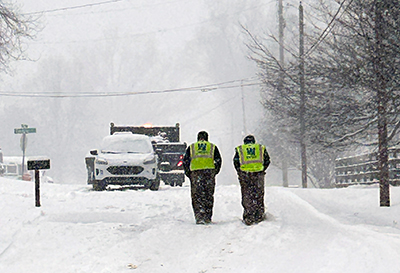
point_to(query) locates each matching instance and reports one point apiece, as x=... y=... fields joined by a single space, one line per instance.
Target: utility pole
x=382 y=100
x=243 y=111
x=280 y=83
x=302 y=100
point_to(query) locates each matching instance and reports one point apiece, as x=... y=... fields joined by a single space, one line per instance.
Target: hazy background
x=133 y=46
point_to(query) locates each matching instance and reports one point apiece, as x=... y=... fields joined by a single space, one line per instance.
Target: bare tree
x=14 y=28
x=282 y=102
x=352 y=67
x=362 y=55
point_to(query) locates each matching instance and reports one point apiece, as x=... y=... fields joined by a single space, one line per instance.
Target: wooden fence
x=363 y=169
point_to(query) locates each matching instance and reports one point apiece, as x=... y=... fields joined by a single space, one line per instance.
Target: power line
x=327 y=30
x=124 y=9
x=208 y=111
x=324 y=33
x=73 y=7
x=202 y=88
x=163 y=30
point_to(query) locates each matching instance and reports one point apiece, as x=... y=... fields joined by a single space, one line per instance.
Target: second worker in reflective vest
x=202 y=162
x=251 y=160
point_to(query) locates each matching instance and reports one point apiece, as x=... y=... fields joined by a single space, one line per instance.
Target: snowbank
x=309 y=230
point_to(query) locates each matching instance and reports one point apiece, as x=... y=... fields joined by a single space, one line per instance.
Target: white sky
x=131 y=46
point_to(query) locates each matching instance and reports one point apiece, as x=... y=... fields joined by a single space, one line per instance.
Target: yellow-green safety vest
x=251 y=157
x=202 y=155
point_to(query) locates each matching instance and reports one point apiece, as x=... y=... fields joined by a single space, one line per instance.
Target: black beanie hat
x=202 y=135
x=249 y=139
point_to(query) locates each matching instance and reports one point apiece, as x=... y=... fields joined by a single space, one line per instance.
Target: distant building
x=13 y=166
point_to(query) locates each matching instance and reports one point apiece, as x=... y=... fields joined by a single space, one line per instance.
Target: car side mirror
x=94 y=152
x=159 y=151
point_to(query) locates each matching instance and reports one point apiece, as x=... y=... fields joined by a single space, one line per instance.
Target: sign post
x=24 y=141
x=38 y=164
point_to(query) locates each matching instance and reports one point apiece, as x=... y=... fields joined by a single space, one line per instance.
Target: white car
x=123 y=159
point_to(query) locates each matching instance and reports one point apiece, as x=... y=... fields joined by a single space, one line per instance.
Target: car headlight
x=150 y=160
x=101 y=161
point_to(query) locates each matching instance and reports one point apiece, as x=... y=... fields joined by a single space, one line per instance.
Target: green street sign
x=24 y=130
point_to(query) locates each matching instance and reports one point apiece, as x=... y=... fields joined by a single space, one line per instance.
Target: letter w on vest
x=251 y=152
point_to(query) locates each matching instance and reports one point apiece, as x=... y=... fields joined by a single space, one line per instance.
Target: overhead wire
x=201 y=88
x=114 y=10
x=204 y=88
x=327 y=30
x=313 y=46
x=208 y=111
x=163 y=30
x=73 y=7
x=115 y=1
x=56 y=94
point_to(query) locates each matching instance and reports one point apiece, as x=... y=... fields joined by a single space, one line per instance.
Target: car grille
x=124 y=170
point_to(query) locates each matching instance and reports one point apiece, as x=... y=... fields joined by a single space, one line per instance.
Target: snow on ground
x=309 y=230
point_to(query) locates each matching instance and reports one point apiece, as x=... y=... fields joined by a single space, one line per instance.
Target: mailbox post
x=36 y=165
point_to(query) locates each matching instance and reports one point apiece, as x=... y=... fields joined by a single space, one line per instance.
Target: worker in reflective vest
x=202 y=162
x=251 y=160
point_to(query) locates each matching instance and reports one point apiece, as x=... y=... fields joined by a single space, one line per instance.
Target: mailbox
x=39 y=164
x=36 y=165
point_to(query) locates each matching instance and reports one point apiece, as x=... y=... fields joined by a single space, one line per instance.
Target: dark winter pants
x=252 y=187
x=202 y=185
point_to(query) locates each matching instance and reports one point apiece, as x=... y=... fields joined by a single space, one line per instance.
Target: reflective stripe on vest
x=202 y=155
x=251 y=157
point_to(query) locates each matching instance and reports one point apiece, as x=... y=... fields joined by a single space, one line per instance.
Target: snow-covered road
x=79 y=230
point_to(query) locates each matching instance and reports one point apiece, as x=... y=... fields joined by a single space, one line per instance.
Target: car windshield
x=126 y=145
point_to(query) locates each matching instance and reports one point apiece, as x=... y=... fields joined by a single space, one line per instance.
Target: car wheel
x=172 y=181
x=179 y=180
x=99 y=185
x=155 y=184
